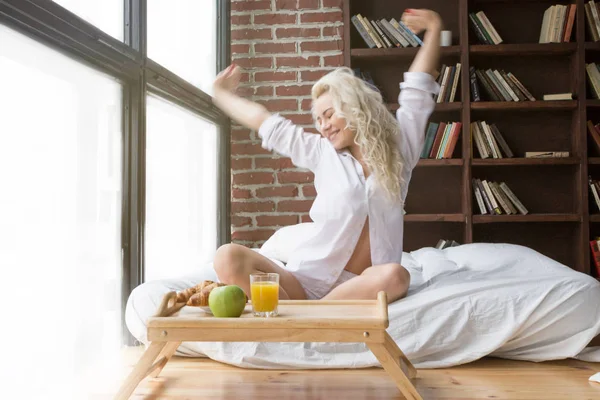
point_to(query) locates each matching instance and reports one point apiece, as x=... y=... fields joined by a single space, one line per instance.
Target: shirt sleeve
x=416 y=105
x=281 y=135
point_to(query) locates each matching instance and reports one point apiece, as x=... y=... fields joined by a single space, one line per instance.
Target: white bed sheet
x=463 y=303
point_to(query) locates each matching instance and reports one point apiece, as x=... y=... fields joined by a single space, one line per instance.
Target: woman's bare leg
x=234 y=263
x=391 y=278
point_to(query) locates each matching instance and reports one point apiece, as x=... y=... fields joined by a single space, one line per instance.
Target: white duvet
x=463 y=303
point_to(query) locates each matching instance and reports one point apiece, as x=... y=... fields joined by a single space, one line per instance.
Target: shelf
x=592 y=103
x=594 y=160
x=454 y=106
x=397 y=52
x=594 y=217
x=446 y=162
x=523 y=49
x=486 y=219
x=434 y=218
x=525 y=105
x=592 y=46
x=526 y=161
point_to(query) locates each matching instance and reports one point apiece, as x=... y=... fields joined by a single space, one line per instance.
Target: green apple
x=227 y=301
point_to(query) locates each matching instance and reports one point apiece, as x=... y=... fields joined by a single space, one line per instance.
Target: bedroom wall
x=284 y=46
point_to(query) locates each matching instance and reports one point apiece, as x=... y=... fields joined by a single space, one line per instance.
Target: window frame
x=127 y=61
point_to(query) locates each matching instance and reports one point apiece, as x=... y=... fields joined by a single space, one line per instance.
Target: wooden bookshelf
x=440 y=202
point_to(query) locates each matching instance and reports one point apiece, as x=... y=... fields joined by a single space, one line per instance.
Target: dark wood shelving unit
x=440 y=202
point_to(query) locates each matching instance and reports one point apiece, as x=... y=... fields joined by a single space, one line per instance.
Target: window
x=181 y=190
x=182 y=37
x=105 y=14
x=60 y=215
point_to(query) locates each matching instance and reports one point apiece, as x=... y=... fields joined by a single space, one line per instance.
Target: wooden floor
x=198 y=378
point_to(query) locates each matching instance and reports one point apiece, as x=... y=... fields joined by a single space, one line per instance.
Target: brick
x=333 y=61
x=301 y=206
x=274 y=76
x=332 y=3
x=238 y=164
x=305 y=218
x=241 y=221
x=240 y=193
x=239 y=134
x=297 y=62
x=247 y=91
x=245 y=77
x=293 y=90
x=240 y=49
x=252 y=206
x=278 y=191
x=280 y=104
x=273 y=163
x=276 y=220
x=325 y=45
x=240 y=20
x=241 y=6
x=253 y=178
x=275 y=48
x=309 y=191
x=247 y=149
x=254 y=62
x=253 y=235
x=306 y=105
x=274 y=19
x=295 y=177
x=308 y=4
x=333 y=31
x=321 y=17
x=313 y=75
x=251 y=34
x=285 y=33
x=286 y=5
x=300 y=119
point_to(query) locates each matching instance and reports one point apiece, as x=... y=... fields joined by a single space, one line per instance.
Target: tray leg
x=165 y=354
x=140 y=371
x=405 y=363
x=392 y=366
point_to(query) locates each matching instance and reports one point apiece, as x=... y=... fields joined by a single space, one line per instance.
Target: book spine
x=485 y=197
x=521 y=87
x=490 y=74
x=431 y=130
x=449 y=84
x=370 y=30
x=495 y=204
x=499 y=198
x=480 y=203
x=363 y=32
x=595 y=255
x=570 y=23
x=512 y=85
x=477 y=139
x=399 y=38
x=591 y=25
x=501 y=141
x=475 y=92
x=514 y=199
x=477 y=30
x=493 y=93
x=455 y=82
x=509 y=204
x=489 y=27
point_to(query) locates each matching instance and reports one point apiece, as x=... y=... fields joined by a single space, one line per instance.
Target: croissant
x=183 y=297
x=200 y=298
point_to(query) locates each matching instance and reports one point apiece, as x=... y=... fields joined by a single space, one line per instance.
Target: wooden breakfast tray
x=298 y=321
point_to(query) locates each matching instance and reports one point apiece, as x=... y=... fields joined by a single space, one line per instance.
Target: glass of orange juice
x=264 y=293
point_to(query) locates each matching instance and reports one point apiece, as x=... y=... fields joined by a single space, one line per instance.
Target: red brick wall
x=284 y=46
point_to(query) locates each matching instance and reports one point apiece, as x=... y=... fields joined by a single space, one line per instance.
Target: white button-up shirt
x=344 y=197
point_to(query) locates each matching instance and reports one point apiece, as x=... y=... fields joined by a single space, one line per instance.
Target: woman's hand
x=228 y=79
x=419 y=20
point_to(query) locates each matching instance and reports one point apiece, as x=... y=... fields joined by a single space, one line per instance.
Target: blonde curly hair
x=374 y=125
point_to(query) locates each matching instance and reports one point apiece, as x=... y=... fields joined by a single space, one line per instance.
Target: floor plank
x=489 y=378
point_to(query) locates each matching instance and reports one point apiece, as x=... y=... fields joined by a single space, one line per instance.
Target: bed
x=463 y=303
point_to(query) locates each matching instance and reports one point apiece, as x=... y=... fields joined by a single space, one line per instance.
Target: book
x=475 y=92
x=595 y=248
x=558 y=96
x=362 y=31
x=513 y=198
x=546 y=154
x=496 y=39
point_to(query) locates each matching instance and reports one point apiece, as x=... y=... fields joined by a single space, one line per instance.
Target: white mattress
x=463 y=303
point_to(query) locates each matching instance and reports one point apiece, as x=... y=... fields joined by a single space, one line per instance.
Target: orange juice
x=265 y=296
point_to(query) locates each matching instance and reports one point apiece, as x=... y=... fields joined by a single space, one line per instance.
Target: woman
x=362 y=161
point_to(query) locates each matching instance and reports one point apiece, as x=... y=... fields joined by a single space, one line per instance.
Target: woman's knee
x=395 y=279
x=229 y=261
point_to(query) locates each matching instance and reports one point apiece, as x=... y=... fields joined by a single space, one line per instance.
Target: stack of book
x=483 y=28
x=498 y=86
x=496 y=199
x=594 y=131
x=385 y=33
x=593 y=75
x=592 y=17
x=448 y=81
x=445 y=243
x=595 y=190
x=557 y=24
x=441 y=139
x=489 y=141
